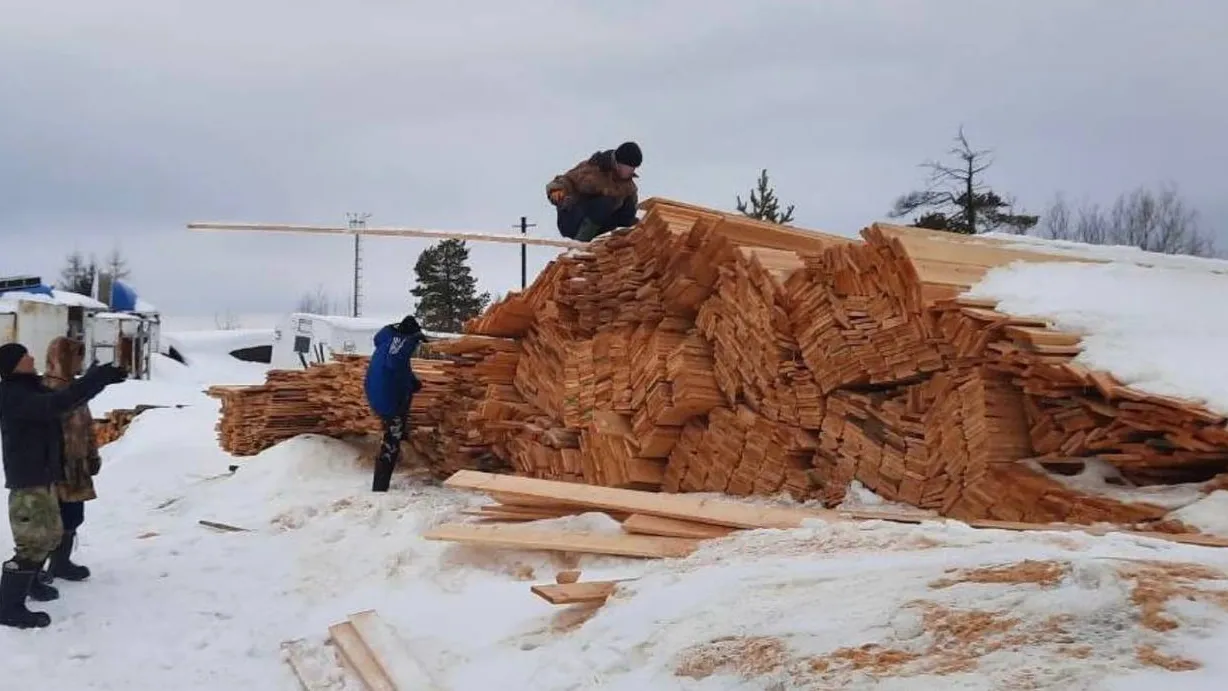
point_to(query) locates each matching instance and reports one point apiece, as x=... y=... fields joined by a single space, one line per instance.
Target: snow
x=58 y=297
x=178 y=605
x=1159 y=330
x=1209 y=514
x=1112 y=253
x=1101 y=478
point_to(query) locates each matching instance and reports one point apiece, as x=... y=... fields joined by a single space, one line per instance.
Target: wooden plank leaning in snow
x=359 y=657
x=391 y=653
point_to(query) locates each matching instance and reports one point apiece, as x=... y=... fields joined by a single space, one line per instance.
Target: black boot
x=14 y=585
x=383 y=476
x=40 y=588
x=61 y=563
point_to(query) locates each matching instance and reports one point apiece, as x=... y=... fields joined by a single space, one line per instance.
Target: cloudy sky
x=121 y=121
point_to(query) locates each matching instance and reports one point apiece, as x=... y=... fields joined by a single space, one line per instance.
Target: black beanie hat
x=629 y=154
x=10 y=355
x=409 y=326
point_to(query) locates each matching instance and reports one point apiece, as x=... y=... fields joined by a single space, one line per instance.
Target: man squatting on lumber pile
x=32 y=440
x=390 y=385
x=598 y=194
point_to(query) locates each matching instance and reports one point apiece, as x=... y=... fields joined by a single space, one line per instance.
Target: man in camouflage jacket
x=598 y=194
x=32 y=441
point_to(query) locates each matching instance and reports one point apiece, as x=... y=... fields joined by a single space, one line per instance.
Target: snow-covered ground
x=177 y=605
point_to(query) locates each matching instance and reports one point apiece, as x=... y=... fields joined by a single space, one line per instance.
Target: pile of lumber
x=705 y=351
x=323 y=399
x=112 y=426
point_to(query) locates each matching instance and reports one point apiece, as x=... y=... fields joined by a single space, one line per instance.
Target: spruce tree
x=764 y=204
x=446 y=289
x=78 y=273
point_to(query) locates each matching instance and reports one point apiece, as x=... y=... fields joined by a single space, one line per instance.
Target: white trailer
x=33 y=321
x=301 y=339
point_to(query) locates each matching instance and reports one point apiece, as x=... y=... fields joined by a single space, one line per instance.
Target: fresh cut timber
x=704 y=351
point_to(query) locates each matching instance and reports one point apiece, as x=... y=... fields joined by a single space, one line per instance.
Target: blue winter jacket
x=390 y=382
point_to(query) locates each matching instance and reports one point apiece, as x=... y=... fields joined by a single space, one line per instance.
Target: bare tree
x=226 y=321
x=116 y=265
x=317 y=302
x=1152 y=220
x=957 y=200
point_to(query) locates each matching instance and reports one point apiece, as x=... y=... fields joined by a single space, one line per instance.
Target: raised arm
x=30 y=405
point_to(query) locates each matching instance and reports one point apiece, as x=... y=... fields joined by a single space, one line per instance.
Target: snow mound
x=1146 y=326
x=766 y=610
x=1209 y=514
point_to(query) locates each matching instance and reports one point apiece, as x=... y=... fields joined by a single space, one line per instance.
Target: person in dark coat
x=598 y=194
x=32 y=439
x=390 y=386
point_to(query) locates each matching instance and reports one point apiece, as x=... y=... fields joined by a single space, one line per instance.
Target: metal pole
x=358 y=224
x=524 y=251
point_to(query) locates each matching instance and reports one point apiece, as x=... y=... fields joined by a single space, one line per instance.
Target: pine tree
x=78 y=274
x=763 y=203
x=446 y=289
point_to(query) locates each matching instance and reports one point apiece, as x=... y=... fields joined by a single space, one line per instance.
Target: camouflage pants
x=34 y=514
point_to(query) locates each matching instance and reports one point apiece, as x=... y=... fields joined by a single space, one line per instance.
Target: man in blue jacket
x=390 y=386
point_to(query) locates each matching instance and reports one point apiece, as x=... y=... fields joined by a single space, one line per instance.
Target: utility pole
x=524 y=226
x=357 y=222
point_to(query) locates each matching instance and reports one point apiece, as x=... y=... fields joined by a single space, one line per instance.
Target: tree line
x=957 y=199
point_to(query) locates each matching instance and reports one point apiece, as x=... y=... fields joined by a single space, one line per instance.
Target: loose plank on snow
x=714 y=511
x=522 y=537
x=391 y=653
x=575 y=593
x=359 y=657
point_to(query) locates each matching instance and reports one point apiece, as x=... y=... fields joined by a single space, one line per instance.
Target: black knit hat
x=10 y=355
x=629 y=154
x=409 y=326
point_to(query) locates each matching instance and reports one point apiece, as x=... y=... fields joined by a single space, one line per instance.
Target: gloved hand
x=112 y=373
x=557 y=196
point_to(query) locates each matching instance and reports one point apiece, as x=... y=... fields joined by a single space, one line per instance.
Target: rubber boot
x=61 y=562
x=14 y=586
x=383 y=475
x=41 y=589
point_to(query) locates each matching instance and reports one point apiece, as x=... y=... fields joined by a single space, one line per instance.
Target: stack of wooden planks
x=705 y=351
x=323 y=399
x=112 y=426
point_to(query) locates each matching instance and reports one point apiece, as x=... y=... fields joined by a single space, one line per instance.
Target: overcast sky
x=121 y=121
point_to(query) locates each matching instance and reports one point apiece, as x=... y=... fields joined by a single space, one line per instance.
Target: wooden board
x=528 y=538
x=359 y=657
x=642 y=524
x=575 y=593
x=391 y=653
x=715 y=511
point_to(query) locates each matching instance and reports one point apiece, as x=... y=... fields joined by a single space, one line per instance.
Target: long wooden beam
x=390 y=232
